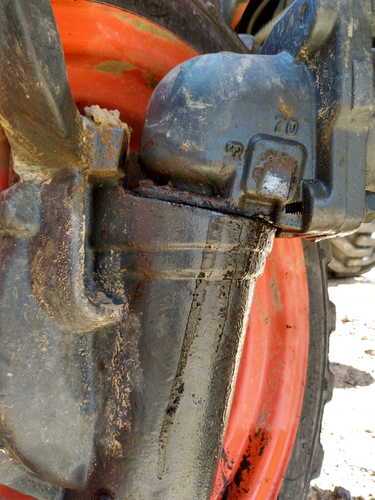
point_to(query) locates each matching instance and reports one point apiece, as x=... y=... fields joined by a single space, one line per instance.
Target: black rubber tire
x=353 y=255
x=197 y=22
x=307 y=455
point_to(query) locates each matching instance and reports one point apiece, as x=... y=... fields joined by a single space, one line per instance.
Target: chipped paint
x=115 y=67
x=152 y=80
x=146 y=26
x=275 y=293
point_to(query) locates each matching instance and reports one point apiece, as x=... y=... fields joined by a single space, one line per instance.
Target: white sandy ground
x=348 y=435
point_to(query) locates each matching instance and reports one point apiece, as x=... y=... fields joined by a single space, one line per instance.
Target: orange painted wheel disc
x=270 y=384
x=115 y=59
x=239 y=13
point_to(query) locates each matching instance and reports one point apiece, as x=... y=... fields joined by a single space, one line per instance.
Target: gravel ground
x=348 y=435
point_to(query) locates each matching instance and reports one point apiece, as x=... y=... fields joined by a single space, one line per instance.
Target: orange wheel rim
x=270 y=385
x=115 y=58
x=239 y=13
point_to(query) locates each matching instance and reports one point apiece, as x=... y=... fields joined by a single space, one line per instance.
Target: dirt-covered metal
x=285 y=135
x=122 y=318
x=123 y=313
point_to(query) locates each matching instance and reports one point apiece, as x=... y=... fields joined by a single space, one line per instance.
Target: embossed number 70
x=290 y=128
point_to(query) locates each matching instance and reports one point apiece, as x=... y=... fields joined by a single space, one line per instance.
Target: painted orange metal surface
x=115 y=59
x=240 y=12
x=270 y=385
x=8 y=494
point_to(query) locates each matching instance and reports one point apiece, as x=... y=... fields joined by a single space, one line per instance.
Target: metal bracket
x=284 y=135
x=101 y=329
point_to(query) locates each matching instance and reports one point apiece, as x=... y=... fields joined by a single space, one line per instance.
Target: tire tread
x=307 y=455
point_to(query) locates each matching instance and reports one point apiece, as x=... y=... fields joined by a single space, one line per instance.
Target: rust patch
x=147 y=146
x=277 y=177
